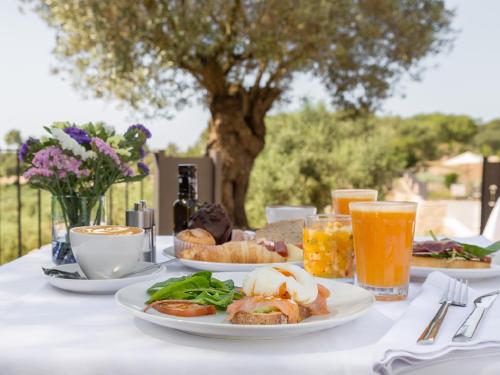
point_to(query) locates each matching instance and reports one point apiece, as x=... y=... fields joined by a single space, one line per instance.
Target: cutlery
x=456 y=295
x=54 y=272
x=150 y=267
x=469 y=326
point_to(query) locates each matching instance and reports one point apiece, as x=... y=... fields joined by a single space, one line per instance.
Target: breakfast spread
x=269 y=295
x=210 y=238
x=452 y=254
x=278 y=296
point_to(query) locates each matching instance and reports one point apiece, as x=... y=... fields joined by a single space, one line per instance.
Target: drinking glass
x=383 y=242
x=341 y=198
x=328 y=249
x=280 y=213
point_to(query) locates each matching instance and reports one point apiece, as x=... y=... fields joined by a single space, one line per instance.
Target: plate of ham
x=272 y=303
x=467 y=257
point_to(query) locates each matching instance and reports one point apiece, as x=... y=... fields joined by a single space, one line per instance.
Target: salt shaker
x=144 y=217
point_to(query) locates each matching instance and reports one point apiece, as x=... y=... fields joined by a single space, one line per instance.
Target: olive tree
x=240 y=57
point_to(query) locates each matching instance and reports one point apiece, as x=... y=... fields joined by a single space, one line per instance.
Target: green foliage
x=430 y=136
x=487 y=139
x=450 y=179
x=155 y=53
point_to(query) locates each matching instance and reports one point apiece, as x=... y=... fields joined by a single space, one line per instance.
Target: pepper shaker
x=144 y=217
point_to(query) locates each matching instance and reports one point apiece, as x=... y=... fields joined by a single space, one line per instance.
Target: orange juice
x=383 y=242
x=328 y=249
x=342 y=198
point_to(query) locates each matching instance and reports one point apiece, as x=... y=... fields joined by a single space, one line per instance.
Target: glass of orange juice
x=383 y=243
x=341 y=198
x=328 y=249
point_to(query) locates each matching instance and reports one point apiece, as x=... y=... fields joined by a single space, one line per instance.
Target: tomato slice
x=182 y=308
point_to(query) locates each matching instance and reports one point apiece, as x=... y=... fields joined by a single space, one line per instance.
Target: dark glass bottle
x=187 y=199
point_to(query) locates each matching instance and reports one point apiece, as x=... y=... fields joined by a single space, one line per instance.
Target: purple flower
x=77 y=134
x=52 y=161
x=23 y=151
x=105 y=149
x=141 y=128
x=142 y=152
x=127 y=171
x=37 y=172
x=143 y=168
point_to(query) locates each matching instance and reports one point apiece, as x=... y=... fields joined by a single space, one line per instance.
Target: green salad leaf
x=469 y=251
x=479 y=251
x=200 y=287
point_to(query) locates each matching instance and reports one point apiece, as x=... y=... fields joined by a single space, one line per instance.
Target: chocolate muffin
x=214 y=219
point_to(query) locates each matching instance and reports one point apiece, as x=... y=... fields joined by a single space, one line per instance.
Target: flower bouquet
x=78 y=164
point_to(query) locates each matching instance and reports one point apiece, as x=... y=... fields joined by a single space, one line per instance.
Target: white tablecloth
x=44 y=330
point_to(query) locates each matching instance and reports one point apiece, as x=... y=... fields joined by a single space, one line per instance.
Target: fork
x=455 y=294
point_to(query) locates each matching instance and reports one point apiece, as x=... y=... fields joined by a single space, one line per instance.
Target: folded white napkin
x=398 y=349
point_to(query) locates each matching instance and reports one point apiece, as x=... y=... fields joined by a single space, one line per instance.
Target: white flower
x=68 y=143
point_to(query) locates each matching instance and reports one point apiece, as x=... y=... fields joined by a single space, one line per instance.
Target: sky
x=463 y=81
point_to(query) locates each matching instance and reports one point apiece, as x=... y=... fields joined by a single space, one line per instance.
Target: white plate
x=465 y=273
x=220 y=267
x=346 y=303
x=99 y=286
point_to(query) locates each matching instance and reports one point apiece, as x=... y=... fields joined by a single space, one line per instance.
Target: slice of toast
x=268 y=318
x=288 y=231
x=420 y=261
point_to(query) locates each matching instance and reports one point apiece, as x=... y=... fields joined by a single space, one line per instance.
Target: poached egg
x=273 y=281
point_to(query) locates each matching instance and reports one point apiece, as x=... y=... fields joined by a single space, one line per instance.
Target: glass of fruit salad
x=328 y=247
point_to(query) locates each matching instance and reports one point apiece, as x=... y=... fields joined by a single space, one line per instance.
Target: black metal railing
x=20 y=203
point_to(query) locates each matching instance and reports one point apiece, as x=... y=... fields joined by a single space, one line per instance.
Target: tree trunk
x=237 y=133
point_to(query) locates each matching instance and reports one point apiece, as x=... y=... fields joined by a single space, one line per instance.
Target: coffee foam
x=109 y=230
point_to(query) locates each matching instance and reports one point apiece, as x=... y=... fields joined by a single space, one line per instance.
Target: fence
x=25 y=219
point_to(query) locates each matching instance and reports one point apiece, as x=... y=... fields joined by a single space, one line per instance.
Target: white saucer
x=99 y=286
x=221 y=267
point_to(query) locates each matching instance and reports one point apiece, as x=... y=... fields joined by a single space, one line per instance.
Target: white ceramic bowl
x=106 y=256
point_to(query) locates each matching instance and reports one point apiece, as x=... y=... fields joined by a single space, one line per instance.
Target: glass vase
x=69 y=211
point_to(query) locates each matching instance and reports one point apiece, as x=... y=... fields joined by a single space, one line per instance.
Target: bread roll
x=196 y=236
x=233 y=252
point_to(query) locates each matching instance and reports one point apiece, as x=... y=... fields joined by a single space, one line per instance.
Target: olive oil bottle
x=187 y=199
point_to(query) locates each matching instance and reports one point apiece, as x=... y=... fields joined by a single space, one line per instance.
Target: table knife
x=469 y=326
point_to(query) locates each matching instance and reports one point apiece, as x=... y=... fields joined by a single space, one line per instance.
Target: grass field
x=117 y=196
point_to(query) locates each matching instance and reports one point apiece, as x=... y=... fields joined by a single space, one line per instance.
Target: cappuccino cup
x=107 y=251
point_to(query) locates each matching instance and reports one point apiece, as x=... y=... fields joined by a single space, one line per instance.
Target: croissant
x=233 y=252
